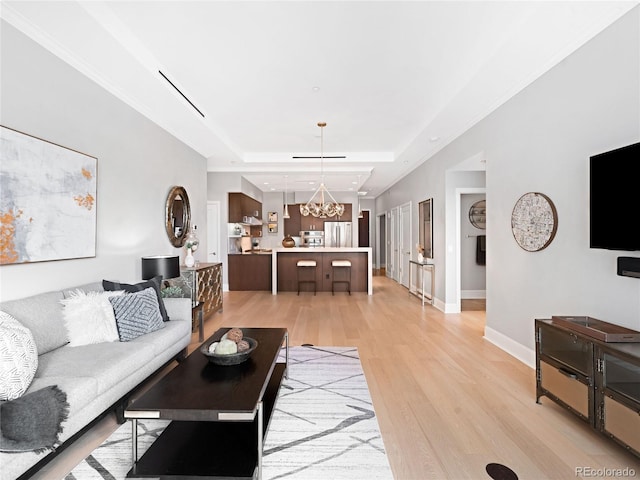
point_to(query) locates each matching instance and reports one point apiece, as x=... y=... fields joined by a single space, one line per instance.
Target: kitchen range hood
x=250 y=221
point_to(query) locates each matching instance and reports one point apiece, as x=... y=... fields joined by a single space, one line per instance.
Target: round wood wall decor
x=534 y=221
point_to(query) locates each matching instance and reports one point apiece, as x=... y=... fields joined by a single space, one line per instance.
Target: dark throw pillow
x=136 y=314
x=155 y=283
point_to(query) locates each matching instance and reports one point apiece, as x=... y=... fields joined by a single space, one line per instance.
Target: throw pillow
x=33 y=421
x=136 y=314
x=155 y=283
x=18 y=358
x=89 y=317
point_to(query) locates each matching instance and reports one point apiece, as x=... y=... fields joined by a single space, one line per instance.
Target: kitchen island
x=284 y=270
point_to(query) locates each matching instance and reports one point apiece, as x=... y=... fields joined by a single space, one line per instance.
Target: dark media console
x=629 y=267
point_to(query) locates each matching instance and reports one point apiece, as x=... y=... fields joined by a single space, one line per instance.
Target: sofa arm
x=178 y=308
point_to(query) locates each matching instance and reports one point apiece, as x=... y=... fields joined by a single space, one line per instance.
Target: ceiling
x=394 y=81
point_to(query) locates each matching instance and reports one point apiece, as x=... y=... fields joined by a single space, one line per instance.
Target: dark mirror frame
x=425 y=226
x=178 y=214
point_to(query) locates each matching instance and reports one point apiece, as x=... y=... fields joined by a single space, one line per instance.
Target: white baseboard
x=513 y=348
x=470 y=294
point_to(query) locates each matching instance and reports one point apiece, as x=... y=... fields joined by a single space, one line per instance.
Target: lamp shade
x=166 y=265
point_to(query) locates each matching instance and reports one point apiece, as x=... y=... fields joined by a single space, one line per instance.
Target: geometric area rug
x=323 y=426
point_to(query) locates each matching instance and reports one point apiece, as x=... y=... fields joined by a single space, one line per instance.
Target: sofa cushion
x=163 y=340
x=89 y=317
x=18 y=357
x=136 y=314
x=108 y=363
x=80 y=391
x=155 y=283
x=42 y=315
x=86 y=288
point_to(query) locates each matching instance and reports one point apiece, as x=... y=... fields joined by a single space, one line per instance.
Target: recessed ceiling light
x=354 y=183
x=316 y=89
x=434 y=139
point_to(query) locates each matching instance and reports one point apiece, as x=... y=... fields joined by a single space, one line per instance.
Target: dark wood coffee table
x=219 y=414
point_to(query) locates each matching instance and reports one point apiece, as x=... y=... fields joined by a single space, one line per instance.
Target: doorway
x=471 y=253
x=364 y=229
x=213 y=232
x=381 y=228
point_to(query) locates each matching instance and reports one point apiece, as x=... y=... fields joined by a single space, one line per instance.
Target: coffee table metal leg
x=286 y=355
x=134 y=440
x=260 y=440
x=201 y=321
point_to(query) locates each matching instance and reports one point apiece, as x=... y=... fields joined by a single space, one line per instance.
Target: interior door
x=404 y=246
x=393 y=257
x=213 y=232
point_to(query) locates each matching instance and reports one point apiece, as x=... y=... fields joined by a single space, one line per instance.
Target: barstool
x=306 y=264
x=341 y=264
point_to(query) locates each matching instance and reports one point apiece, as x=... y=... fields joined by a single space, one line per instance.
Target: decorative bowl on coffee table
x=231 y=358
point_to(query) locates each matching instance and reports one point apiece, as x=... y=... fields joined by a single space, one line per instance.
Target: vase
x=420 y=258
x=288 y=242
x=189 y=261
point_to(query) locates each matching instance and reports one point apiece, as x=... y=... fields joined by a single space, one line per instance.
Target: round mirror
x=477 y=214
x=178 y=216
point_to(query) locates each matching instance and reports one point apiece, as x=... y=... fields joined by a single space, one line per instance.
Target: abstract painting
x=47 y=200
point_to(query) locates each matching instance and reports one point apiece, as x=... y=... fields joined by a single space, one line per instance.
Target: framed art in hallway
x=47 y=200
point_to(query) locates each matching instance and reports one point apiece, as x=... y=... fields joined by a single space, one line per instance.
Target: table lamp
x=166 y=265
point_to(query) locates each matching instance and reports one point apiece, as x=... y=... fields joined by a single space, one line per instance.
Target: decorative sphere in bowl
x=229 y=358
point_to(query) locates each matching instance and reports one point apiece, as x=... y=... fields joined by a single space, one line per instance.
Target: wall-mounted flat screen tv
x=614 y=199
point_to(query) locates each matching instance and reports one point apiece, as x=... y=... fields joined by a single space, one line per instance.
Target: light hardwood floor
x=448 y=402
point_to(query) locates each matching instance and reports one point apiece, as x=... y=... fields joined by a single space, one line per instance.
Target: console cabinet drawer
x=570 y=390
x=622 y=422
x=567 y=348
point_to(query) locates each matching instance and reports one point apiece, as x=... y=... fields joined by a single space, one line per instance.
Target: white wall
x=138 y=163
x=541 y=140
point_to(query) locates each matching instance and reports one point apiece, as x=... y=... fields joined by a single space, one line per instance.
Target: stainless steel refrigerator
x=337 y=234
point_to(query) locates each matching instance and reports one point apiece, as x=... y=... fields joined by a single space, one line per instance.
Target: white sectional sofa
x=96 y=378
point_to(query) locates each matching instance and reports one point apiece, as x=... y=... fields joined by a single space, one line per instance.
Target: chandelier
x=316 y=205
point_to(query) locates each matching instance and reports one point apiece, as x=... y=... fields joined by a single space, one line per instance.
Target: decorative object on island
x=47 y=200
x=319 y=208
x=168 y=266
x=425 y=227
x=534 y=221
x=288 y=241
x=191 y=243
x=177 y=216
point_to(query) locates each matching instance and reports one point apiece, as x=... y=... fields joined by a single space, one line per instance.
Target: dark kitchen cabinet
x=249 y=272
x=297 y=223
x=241 y=205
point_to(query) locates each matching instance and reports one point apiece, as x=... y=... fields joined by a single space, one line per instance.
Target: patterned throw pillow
x=18 y=358
x=89 y=317
x=155 y=283
x=136 y=314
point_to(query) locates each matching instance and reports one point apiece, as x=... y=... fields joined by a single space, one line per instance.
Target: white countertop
x=322 y=249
